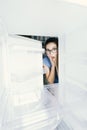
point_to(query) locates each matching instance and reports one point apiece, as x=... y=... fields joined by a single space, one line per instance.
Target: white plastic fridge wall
x=74 y=87
x=23 y=106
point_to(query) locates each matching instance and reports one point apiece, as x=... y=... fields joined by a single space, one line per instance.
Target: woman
x=50 y=61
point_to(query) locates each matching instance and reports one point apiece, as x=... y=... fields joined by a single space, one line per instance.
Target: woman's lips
x=53 y=58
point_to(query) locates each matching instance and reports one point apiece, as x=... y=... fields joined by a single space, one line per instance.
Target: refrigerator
x=25 y=103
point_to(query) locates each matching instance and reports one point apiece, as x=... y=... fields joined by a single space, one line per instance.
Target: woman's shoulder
x=46 y=61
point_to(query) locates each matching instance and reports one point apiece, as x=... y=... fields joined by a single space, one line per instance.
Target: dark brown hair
x=51 y=39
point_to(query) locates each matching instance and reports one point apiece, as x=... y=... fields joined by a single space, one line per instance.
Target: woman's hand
x=53 y=61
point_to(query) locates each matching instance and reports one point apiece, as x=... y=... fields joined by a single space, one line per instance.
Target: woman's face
x=52 y=50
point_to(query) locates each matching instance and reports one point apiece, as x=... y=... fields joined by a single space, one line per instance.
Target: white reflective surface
x=24 y=102
x=38 y=115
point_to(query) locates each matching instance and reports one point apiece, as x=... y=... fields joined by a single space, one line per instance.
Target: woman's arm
x=50 y=73
x=51 y=76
